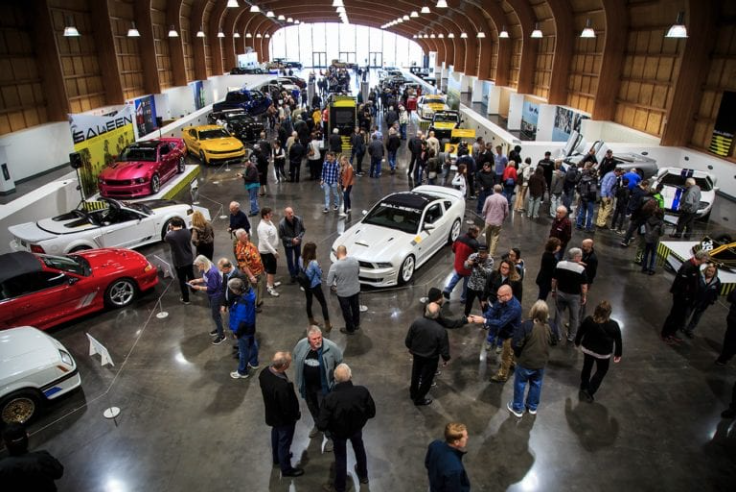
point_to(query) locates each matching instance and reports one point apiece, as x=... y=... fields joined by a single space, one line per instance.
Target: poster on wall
x=563 y=124
x=145 y=108
x=453 y=93
x=486 y=90
x=723 y=135
x=529 y=121
x=199 y=94
x=99 y=139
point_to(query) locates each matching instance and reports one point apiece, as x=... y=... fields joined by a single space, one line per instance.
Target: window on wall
x=343 y=41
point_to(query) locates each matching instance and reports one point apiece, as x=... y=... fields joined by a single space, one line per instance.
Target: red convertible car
x=142 y=168
x=46 y=290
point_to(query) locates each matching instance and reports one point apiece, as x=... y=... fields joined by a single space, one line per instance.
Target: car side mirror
x=72 y=280
x=364 y=212
x=429 y=226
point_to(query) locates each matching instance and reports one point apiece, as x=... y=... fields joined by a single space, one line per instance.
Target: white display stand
x=96 y=347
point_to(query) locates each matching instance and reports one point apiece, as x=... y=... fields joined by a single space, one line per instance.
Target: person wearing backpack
x=622 y=197
x=587 y=189
x=654 y=229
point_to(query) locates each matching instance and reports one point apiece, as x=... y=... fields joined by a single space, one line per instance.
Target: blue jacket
x=445 y=470
x=313 y=271
x=633 y=179
x=242 y=318
x=503 y=318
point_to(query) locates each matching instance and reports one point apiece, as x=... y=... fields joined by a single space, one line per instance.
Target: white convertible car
x=402 y=232
x=101 y=224
x=673 y=180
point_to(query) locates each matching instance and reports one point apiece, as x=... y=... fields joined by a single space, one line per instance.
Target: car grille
x=223 y=152
x=119 y=183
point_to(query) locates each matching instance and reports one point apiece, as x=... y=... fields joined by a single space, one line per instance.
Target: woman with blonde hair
x=346 y=181
x=203 y=236
x=210 y=282
x=596 y=336
x=531 y=343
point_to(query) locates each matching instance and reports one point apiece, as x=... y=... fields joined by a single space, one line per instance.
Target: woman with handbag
x=312 y=276
x=596 y=337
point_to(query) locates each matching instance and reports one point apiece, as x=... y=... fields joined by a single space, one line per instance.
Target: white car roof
x=25 y=348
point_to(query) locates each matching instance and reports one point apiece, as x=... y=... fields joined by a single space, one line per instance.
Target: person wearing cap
x=23 y=470
x=435 y=295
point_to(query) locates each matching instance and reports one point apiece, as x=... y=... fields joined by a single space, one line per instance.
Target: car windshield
x=237 y=97
x=435 y=101
x=445 y=117
x=138 y=154
x=216 y=133
x=672 y=180
x=393 y=216
x=70 y=263
x=239 y=118
x=137 y=207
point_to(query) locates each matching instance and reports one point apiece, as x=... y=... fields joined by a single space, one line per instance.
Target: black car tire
x=21 y=406
x=203 y=160
x=155 y=184
x=121 y=293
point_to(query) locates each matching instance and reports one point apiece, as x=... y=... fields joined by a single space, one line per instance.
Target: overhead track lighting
x=504 y=34
x=588 y=32
x=133 y=32
x=537 y=33
x=232 y=4
x=678 y=30
x=173 y=32
x=70 y=31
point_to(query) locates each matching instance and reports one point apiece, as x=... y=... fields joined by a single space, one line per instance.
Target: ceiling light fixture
x=290 y=19
x=267 y=35
x=337 y=3
x=425 y=10
x=433 y=36
x=537 y=33
x=678 y=30
x=258 y=35
x=451 y=36
x=504 y=34
x=133 y=32
x=232 y=4
x=463 y=35
x=236 y=35
x=440 y=36
x=281 y=17
x=248 y=35
x=221 y=34
x=405 y=17
x=480 y=34
x=414 y=14
x=270 y=14
x=69 y=30
x=173 y=32
x=254 y=9
x=441 y=4
x=588 y=32
x=200 y=33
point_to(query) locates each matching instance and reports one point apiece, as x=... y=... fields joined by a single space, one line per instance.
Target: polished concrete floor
x=185 y=425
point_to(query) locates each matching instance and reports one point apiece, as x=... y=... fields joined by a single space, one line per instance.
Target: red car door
x=167 y=162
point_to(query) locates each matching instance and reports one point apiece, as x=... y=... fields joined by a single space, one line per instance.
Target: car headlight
x=148 y=267
x=384 y=265
x=140 y=180
x=100 y=181
x=704 y=205
x=66 y=358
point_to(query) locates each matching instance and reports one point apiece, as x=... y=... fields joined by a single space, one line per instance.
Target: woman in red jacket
x=509 y=180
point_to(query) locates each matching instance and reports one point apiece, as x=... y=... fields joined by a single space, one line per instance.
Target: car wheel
x=20 y=407
x=181 y=165
x=155 y=184
x=79 y=248
x=407 y=270
x=202 y=158
x=165 y=229
x=455 y=231
x=120 y=293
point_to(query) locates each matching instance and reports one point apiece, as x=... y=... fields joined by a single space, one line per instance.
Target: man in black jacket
x=335 y=143
x=683 y=291
x=24 y=470
x=427 y=340
x=415 y=145
x=344 y=413
x=282 y=411
x=297 y=152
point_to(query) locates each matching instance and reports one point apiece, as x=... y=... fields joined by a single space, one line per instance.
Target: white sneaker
x=277 y=284
x=342 y=214
x=235 y=374
x=272 y=292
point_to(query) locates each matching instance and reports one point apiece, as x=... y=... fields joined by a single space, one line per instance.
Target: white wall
x=515 y=113
x=37 y=149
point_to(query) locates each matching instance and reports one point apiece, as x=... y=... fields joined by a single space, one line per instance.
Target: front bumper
x=234 y=157
x=125 y=191
x=65 y=384
x=148 y=280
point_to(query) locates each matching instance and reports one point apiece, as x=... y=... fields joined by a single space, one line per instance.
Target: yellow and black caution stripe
x=94 y=205
x=721 y=144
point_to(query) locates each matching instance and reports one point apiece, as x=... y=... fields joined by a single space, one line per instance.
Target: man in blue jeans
x=291 y=231
x=376 y=153
x=329 y=181
x=393 y=144
x=242 y=321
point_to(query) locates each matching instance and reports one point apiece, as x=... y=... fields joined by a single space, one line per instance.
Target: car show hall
x=157 y=185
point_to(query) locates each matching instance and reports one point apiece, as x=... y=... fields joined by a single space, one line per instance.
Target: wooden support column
x=216 y=53
x=702 y=18
x=142 y=14
x=107 y=56
x=176 y=51
x=557 y=92
x=613 y=54
x=198 y=44
x=44 y=37
x=504 y=56
x=528 y=56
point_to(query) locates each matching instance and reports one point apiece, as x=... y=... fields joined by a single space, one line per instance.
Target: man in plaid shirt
x=329 y=181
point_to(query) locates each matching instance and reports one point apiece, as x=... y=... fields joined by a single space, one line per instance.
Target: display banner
x=145 y=115
x=562 y=124
x=529 y=121
x=486 y=89
x=723 y=135
x=199 y=94
x=99 y=139
x=453 y=93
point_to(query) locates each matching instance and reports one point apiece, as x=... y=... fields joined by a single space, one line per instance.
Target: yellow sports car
x=429 y=104
x=212 y=143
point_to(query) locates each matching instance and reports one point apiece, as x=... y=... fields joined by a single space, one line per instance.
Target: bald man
x=501 y=319
x=281 y=409
x=344 y=413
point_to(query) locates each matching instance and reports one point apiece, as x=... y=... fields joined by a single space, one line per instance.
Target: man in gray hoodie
x=345 y=274
x=688 y=207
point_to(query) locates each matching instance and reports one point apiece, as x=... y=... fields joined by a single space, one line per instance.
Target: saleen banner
x=99 y=139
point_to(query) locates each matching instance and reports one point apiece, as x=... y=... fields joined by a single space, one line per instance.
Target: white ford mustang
x=673 y=180
x=402 y=232
x=105 y=223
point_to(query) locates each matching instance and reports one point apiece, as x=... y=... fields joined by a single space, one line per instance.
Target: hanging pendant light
x=133 y=32
x=504 y=34
x=281 y=17
x=678 y=30
x=270 y=14
x=232 y=4
x=173 y=32
x=425 y=10
x=254 y=9
x=588 y=32
x=221 y=34
x=70 y=31
x=414 y=14
x=480 y=34
x=441 y=4
x=463 y=35
x=537 y=33
x=200 y=33
x=248 y=35
x=236 y=35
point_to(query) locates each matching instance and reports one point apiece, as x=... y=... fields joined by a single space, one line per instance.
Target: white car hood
x=670 y=197
x=385 y=242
